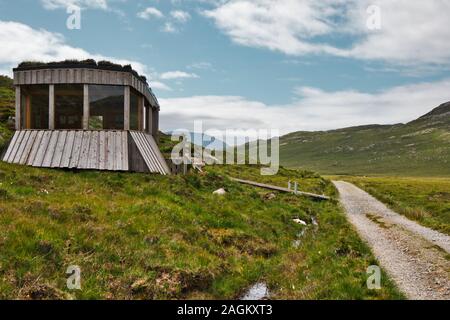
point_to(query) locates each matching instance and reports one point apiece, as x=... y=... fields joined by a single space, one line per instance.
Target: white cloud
x=149 y=13
x=180 y=16
x=62 y=4
x=202 y=65
x=171 y=75
x=285 y=25
x=169 y=28
x=20 y=42
x=313 y=109
x=412 y=32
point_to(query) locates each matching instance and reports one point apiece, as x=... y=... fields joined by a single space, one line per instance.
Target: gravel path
x=415 y=257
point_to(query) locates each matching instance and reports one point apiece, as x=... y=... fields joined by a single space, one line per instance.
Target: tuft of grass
x=377 y=220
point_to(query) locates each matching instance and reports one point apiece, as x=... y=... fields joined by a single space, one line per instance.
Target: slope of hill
x=420 y=147
x=6 y=108
x=140 y=236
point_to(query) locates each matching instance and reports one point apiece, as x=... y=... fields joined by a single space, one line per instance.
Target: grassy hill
x=141 y=236
x=419 y=148
x=7 y=98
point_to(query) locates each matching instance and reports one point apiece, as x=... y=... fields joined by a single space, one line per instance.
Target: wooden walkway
x=276 y=188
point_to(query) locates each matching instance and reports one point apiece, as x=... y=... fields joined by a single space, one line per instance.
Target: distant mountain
x=207 y=141
x=420 y=147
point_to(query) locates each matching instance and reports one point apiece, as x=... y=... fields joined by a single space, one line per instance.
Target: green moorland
x=141 y=236
x=6 y=108
x=426 y=200
x=138 y=236
x=418 y=148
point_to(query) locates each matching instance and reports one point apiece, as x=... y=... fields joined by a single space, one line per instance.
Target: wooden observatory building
x=85 y=115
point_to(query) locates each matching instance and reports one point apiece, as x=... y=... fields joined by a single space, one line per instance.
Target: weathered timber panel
x=21 y=147
x=10 y=147
x=26 y=151
x=35 y=148
x=59 y=149
x=150 y=152
x=50 y=152
x=67 y=151
x=88 y=149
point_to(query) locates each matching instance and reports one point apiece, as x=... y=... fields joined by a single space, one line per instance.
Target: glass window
x=134 y=110
x=106 y=107
x=68 y=106
x=34 y=106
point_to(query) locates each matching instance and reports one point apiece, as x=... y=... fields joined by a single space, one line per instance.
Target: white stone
x=220 y=191
x=299 y=221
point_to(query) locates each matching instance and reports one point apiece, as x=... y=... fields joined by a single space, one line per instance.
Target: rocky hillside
x=420 y=147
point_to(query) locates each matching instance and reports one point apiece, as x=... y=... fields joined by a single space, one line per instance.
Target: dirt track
x=415 y=257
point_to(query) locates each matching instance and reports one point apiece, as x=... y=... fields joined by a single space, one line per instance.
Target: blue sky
x=287 y=64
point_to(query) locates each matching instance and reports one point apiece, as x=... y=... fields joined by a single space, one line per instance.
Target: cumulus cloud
x=172 y=75
x=412 y=32
x=283 y=25
x=160 y=86
x=169 y=28
x=20 y=42
x=180 y=16
x=149 y=13
x=312 y=109
x=202 y=65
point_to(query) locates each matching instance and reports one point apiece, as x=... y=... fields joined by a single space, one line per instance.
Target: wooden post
x=155 y=114
x=18 y=109
x=295 y=187
x=27 y=112
x=86 y=107
x=51 y=107
x=150 y=120
x=157 y=125
x=145 y=124
x=126 y=109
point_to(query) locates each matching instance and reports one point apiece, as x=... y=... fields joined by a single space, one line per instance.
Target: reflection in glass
x=68 y=106
x=134 y=110
x=34 y=106
x=106 y=107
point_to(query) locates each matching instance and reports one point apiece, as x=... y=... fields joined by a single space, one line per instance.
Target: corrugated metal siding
x=150 y=152
x=89 y=149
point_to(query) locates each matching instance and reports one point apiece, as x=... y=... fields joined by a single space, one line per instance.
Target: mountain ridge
x=419 y=147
